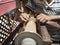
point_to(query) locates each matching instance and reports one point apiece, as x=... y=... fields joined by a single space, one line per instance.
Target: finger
x=39 y=17
x=42 y=20
x=25 y=16
x=22 y=19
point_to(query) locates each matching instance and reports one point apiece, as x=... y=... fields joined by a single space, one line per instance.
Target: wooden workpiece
x=31 y=26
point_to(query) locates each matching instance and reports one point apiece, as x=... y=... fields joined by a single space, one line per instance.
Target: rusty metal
x=30 y=34
x=42 y=30
x=7 y=29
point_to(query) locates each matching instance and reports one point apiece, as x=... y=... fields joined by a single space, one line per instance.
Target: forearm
x=53 y=17
x=54 y=24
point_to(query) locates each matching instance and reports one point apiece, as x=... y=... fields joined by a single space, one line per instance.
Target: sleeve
x=35 y=5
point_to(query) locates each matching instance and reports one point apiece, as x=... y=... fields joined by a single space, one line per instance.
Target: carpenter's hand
x=43 y=18
x=24 y=17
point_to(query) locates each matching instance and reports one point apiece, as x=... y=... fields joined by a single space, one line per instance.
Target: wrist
x=49 y=18
x=54 y=17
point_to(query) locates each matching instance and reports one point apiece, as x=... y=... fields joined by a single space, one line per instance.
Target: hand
x=43 y=18
x=24 y=17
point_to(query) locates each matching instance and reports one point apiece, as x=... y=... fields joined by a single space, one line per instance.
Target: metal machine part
x=25 y=35
x=29 y=36
x=28 y=41
x=7 y=29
